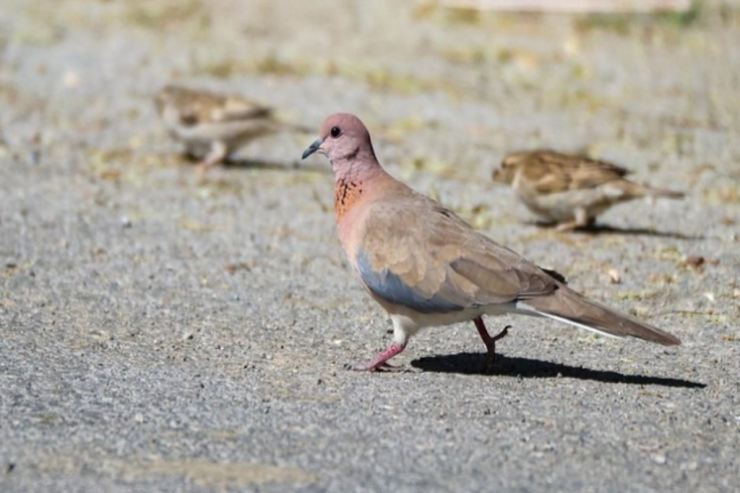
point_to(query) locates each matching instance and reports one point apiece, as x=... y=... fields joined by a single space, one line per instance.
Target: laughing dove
x=211 y=125
x=570 y=190
x=426 y=267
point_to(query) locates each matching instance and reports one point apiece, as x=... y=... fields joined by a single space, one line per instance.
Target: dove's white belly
x=407 y=323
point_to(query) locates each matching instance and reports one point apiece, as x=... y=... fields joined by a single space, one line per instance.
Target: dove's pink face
x=342 y=138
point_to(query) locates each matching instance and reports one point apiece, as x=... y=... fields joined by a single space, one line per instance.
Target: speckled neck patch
x=346 y=194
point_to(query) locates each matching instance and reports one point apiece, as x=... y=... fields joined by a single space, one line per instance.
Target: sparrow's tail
x=635 y=190
x=668 y=194
x=570 y=307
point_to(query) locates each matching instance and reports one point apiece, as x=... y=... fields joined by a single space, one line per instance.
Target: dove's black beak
x=312 y=148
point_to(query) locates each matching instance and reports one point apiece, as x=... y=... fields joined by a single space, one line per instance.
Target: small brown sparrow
x=570 y=190
x=211 y=125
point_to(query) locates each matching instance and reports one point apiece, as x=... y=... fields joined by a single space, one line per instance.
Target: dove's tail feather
x=570 y=307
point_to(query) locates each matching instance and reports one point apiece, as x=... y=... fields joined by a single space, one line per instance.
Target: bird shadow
x=476 y=364
x=604 y=229
x=237 y=162
x=274 y=165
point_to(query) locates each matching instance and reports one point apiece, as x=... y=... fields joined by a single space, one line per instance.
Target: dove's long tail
x=570 y=307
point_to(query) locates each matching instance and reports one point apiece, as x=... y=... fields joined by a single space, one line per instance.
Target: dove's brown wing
x=416 y=253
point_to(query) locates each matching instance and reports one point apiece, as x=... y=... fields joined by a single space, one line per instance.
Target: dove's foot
x=380 y=362
x=489 y=341
x=385 y=367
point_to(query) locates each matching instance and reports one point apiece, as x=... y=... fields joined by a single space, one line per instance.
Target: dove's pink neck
x=352 y=183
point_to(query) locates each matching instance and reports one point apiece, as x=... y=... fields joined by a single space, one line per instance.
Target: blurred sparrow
x=211 y=125
x=570 y=190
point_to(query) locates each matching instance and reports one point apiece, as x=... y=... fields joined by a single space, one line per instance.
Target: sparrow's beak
x=312 y=148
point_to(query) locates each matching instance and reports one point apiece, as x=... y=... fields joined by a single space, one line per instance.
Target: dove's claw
x=489 y=341
x=379 y=363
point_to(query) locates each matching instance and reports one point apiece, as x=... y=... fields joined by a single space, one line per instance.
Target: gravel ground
x=163 y=332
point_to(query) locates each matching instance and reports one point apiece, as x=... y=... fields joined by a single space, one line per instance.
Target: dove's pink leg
x=489 y=341
x=380 y=361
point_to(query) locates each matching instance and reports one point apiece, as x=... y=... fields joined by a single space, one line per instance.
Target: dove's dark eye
x=335 y=132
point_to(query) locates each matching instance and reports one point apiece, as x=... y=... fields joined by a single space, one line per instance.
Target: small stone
x=71 y=79
x=660 y=459
x=694 y=261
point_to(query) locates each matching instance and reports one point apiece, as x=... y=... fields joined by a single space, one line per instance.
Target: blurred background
x=446 y=87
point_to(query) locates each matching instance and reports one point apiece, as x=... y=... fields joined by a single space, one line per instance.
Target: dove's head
x=344 y=139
